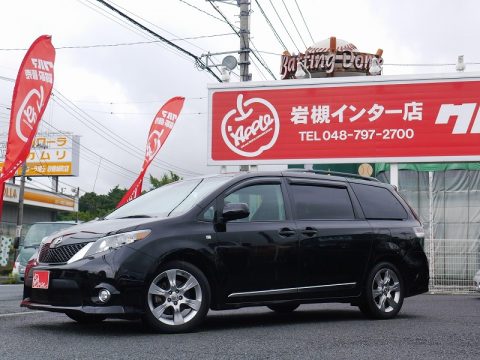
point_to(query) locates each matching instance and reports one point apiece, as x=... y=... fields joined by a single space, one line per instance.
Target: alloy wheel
x=174 y=297
x=386 y=290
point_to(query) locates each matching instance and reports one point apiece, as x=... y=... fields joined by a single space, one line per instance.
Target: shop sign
x=328 y=62
x=346 y=120
x=51 y=154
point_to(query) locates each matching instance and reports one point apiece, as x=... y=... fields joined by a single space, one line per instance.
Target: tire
x=383 y=292
x=86 y=318
x=177 y=299
x=284 y=308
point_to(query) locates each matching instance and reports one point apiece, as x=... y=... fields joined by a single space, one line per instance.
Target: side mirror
x=16 y=243
x=235 y=211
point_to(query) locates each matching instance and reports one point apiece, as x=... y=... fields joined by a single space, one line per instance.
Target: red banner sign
x=30 y=98
x=159 y=131
x=385 y=119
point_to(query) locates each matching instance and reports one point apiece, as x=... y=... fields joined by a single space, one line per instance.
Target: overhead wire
x=283 y=24
x=207 y=13
x=257 y=56
x=124 y=43
x=105 y=132
x=111 y=136
x=198 y=62
x=294 y=24
x=277 y=36
x=304 y=22
x=164 y=30
x=129 y=26
x=112 y=166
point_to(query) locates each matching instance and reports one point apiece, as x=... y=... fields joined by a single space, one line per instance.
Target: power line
x=197 y=60
x=295 y=25
x=271 y=26
x=134 y=102
x=207 y=13
x=107 y=133
x=110 y=135
x=303 y=18
x=164 y=30
x=238 y=34
x=125 y=43
x=154 y=25
x=281 y=21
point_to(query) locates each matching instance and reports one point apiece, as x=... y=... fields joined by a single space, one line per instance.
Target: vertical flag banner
x=159 y=131
x=32 y=91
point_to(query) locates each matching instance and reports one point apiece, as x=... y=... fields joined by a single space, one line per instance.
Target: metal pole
x=431 y=245
x=244 y=40
x=394 y=175
x=78 y=203
x=18 y=231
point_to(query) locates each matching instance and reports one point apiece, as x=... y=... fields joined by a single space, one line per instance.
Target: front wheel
x=177 y=299
x=383 y=292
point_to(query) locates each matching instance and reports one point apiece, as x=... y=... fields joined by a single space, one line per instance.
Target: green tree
x=92 y=205
x=166 y=179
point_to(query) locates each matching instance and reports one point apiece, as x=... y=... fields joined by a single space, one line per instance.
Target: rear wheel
x=86 y=318
x=178 y=298
x=284 y=308
x=383 y=293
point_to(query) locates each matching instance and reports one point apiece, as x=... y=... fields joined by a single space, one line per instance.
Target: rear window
x=322 y=203
x=379 y=203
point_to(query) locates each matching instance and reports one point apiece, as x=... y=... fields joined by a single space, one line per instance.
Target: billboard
x=425 y=118
x=40 y=198
x=51 y=154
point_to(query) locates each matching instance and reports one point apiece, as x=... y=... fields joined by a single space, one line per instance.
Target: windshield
x=170 y=200
x=38 y=231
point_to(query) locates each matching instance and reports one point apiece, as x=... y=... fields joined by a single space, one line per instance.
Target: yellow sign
x=40 y=198
x=50 y=155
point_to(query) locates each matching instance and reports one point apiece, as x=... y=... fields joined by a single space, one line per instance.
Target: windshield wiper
x=135 y=217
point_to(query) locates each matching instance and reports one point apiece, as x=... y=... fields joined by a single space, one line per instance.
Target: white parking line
x=22 y=313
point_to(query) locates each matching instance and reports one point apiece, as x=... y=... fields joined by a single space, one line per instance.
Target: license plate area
x=41 y=279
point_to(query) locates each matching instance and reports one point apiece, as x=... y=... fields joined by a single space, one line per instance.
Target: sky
x=109 y=94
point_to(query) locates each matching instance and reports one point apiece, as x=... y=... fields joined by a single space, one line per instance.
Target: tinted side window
x=322 y=202
x=379 y=203
x=264 y=201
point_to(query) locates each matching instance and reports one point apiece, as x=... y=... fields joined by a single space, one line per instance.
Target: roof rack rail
x=335 y=173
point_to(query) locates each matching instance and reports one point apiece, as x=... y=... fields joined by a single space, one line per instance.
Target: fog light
x=104 y=295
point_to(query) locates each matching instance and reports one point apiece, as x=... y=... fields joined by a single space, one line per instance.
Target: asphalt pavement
x=428 y=327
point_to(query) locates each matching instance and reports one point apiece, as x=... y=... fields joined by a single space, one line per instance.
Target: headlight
x=115 y=241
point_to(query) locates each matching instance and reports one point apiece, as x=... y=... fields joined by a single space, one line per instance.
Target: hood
x=96 y=229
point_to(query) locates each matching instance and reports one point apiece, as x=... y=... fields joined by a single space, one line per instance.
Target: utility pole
x=244 y=48
x=244 y=40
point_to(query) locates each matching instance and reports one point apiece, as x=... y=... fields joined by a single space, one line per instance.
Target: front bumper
x=74 y=288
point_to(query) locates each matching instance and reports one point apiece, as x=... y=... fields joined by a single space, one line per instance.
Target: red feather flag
x=32 y=91
x=159 y=131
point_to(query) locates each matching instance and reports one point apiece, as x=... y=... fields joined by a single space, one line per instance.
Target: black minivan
x=277 y=239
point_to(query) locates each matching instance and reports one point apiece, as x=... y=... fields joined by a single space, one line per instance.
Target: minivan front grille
x=59 y=254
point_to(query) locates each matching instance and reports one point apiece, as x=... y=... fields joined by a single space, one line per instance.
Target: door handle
x=286 y=232
x=309 y=231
